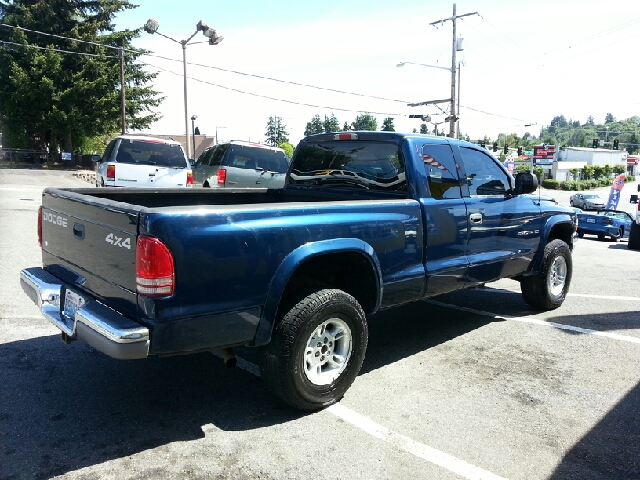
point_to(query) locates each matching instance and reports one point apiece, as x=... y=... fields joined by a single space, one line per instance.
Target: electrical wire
x=274 y=98
x=57 y=50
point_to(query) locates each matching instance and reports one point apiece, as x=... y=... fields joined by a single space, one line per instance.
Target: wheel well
x=351 y=272
x=562 y=231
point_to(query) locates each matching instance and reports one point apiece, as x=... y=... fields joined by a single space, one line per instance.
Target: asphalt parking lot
x=468 y=385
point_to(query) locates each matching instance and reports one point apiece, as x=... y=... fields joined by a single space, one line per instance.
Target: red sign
x=544 y=152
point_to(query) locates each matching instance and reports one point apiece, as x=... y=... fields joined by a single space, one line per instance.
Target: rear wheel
x=619 y=234
x=634 y=236
x=548 y=288
x=316 y=350
x=580 y=233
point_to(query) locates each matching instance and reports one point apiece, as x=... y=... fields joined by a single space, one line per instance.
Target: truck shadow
x=63 y=408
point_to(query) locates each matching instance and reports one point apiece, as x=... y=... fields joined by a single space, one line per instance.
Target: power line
x=56 y=49
x=278 y=99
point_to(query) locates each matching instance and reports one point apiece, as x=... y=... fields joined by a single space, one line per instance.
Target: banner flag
x=614 y=195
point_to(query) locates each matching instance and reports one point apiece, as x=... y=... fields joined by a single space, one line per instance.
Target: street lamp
x=152 y=26
x=193 y=134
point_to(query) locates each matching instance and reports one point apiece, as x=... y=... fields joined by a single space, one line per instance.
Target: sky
x=522 y=63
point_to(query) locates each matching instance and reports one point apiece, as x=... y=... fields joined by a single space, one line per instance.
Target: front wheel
x=548 y=288
x=316 y=350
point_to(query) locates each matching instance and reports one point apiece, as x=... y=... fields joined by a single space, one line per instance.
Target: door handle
x=475 y=218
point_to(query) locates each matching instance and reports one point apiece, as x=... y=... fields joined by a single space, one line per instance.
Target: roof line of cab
x=379 y=135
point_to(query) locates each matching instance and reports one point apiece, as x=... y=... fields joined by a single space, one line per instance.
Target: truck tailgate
x=82 y=235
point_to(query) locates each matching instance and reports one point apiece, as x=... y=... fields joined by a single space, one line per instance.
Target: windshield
x=258 y=158
x=592 y=196
x=353 y=164
x=143 y=152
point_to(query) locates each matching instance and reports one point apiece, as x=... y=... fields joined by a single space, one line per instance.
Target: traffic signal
x=506 y=148
x=615 y=144
x=519 y=151
x=595 y=143
x=495 y=146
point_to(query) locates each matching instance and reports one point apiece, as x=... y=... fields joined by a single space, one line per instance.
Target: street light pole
x=151 y=27
x=193 y=131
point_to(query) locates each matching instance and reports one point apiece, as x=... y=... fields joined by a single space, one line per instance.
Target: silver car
x=239 y=164
x=587 y=201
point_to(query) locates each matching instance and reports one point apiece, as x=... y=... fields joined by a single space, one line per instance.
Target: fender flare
x=291 y=263
x=553 y=221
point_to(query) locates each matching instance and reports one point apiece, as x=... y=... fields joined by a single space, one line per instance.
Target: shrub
x=551 y=184
x=565 y=185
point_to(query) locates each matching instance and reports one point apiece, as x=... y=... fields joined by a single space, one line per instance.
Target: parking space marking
x=537 y=321
x=585 y=295
x=400 y=442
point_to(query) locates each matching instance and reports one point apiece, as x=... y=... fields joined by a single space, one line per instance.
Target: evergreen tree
x=63 y=91
x=424 y=129
x=331 y=124
x=346 y=127
x=387 y=125
x=314 y=126
x=365 y=122
x=609 y=118
x=276 y=132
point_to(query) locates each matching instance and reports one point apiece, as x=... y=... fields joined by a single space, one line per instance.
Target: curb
x=87 y=176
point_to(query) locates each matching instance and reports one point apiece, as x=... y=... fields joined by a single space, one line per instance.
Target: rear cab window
x=350 y=164
x=142 y=152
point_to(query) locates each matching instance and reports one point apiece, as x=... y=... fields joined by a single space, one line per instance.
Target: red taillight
x=40 y=227
x=222 y=176
x=189 y=178
x=111 y=172
x=607 y=221
x=155 y=275
x=345 y=136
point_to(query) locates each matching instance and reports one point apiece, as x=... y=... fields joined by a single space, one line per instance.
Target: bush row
x=576 y=185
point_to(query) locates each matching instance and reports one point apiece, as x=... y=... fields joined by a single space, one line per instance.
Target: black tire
x=634 y=236
x=619 y=234
x=601 y=236
x=580 y=233
x=284 y=362
x=548 y=288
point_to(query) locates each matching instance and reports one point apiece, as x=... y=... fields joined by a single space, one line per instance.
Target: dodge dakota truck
x=365 y=221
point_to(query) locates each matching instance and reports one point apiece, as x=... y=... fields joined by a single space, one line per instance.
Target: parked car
x=614 y=224
x=587 y=201
x=239 y=164
x=141 y=161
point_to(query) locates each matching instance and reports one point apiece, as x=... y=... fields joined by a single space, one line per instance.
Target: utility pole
x=452 y=114
x=122 y=102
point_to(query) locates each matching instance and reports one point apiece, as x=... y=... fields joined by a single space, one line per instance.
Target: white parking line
x=585 y=295
x=420 y=450
x=537 y=321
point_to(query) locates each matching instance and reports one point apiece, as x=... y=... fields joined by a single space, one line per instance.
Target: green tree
x=346 y=127
x=424 y=129
x=590 y=120
x=331 y=124
x=387 y=125
x=575 y=172
x=609 y=118
x=288 y=148
x=365 y=121
x=276 y=132
x=314 y=126
x=63 y=91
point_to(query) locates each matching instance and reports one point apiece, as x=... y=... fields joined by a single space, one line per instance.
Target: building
x=632 y=165
x=577 y=157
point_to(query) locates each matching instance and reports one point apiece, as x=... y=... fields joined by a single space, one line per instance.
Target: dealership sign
x=544 y=152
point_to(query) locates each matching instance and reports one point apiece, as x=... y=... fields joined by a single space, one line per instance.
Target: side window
x=205 y=157
x=442 y=172
x=109 y=149
x=484 y=176
x=219 y=152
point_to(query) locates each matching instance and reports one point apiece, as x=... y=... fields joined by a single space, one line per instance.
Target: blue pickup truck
x=366 y=221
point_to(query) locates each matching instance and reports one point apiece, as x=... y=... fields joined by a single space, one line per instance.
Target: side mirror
x=96 y=158
x=526 y=183
x=192 y=162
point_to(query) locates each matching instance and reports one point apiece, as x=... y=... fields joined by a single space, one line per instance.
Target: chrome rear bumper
x=104 y=329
